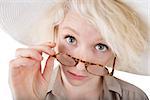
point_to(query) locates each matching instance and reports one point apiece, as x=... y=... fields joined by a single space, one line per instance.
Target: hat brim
x=26 y=21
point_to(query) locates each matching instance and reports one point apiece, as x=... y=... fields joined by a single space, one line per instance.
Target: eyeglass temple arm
x=112 y=72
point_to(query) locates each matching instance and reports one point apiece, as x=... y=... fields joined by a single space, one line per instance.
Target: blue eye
x=101 y=47
x=70 y=39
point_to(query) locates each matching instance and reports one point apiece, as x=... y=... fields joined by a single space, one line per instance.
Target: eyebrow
x=74 y=31
x=69 y=28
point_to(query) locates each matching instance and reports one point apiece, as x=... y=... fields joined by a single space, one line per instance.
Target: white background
x=7 y=52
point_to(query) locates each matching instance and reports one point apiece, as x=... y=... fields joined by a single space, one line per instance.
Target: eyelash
x=70 y=37
x=103 y=45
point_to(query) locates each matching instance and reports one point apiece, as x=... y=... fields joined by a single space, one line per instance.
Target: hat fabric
x=25 y=20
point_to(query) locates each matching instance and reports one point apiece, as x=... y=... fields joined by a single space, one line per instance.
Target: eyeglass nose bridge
x=85 y=62
x=78 y=60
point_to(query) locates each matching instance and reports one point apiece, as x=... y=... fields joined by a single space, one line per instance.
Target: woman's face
x=81 y=40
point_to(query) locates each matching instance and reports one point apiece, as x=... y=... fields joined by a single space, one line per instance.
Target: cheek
x=107 y=58
x=102 y=58
x=65 y=68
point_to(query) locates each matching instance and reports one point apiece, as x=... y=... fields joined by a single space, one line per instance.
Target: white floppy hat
x=25 y=20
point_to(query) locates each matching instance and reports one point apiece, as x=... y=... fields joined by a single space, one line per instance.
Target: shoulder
x=131 y=90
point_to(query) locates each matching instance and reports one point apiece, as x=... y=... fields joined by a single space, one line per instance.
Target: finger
x=44 y=48
x=18 y=62
x=30 y=53
x=48 y=68
x=20 y=65
x=51 y=44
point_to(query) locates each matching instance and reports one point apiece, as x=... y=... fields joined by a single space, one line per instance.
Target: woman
x=91 y=38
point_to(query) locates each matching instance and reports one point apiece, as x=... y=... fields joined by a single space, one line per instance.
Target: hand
x=27 y=82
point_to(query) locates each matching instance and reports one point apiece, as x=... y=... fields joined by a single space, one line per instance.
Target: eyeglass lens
x=70 y=62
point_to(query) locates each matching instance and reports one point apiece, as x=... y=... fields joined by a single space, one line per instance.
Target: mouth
x=75 y=76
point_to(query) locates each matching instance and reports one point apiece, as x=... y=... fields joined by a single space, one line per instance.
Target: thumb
x=48 y=68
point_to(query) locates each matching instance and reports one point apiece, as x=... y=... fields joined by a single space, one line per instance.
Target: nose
x=80 y=66
x=81 y=52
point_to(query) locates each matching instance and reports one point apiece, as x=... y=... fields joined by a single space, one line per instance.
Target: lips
x=75 y=76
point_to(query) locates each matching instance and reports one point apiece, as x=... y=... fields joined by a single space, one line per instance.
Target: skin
x=26 y=79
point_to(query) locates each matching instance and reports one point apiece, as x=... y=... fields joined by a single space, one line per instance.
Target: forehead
x=80 y=25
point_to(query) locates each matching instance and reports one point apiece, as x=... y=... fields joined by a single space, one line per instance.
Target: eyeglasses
x=92 y=68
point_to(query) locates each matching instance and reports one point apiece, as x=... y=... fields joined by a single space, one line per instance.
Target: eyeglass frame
x=87 y=63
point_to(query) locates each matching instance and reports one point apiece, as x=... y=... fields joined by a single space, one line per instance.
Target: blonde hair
x=118 y=24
